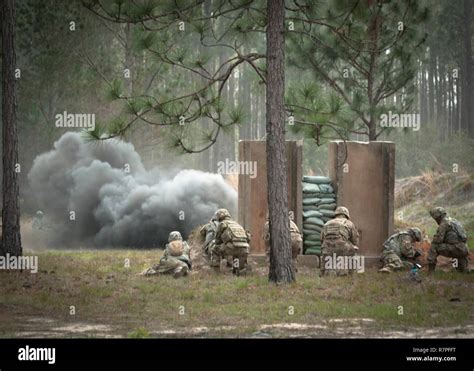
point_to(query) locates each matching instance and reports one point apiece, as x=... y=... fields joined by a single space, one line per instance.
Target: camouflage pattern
x=208 y=231
x=340 y=237
x=178 y=266
x=222 y=214
x=446 y=242
x=296 y=241
x=398 y=248
x=341 y=210
x=232 y=240
x=437 y=212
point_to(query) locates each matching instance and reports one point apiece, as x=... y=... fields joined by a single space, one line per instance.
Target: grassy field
x=94 y=294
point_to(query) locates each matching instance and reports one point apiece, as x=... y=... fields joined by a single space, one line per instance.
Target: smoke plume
x=100 y=194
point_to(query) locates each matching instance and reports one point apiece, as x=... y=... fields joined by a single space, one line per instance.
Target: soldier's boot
x=463 y=265
x=385 y=270
x=295 y=265
x=180 y=272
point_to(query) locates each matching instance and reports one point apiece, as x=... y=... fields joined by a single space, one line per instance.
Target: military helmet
x=222 y=214
x=341 y=210
x=39 y=214
x=175 y=235
x=416 y=233
x=437 y=212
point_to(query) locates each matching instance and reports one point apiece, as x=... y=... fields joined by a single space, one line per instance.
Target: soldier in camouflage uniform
x=208 y=231
x=296 y=240
x=231 y=240
x=340 y=237
x=38 y=220
x=176 y=259
x=398 y=248
x=449 y=240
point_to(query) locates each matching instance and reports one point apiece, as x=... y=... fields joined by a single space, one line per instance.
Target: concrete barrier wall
x=252 y=203
x=363 y=175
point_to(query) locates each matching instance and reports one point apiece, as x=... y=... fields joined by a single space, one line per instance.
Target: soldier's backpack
x=235 y=233
x=458 y=229
x=176 y=248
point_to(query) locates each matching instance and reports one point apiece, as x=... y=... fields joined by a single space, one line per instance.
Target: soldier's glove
x=417 y=253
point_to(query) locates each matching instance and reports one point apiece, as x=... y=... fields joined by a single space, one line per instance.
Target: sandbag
x=326 y=188
x=316 y=179
x=310 y=201
x=309 y=207
x=319 y=195
x=311 y=231
x=312 y=213
x=313 y=251
x=327 y=200
x=309 y=188
x=329 y=213
x=326 y=218
x=327 y=207
x=313 y=228
x=312 y=237
x=315 y=221
x=312 y=243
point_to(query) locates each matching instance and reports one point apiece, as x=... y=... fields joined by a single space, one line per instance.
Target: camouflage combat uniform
x=231 y=240
x=176 y=258
x=398 y=248
x=447 y=241
x=208 y=231
x=340 y=237
x=296 y=241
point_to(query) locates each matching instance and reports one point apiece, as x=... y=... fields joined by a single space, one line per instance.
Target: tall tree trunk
x=423 y=95
x=457 y=114
x=431 y=87
x=466 y=99
x=281 y=270
x=11 y=239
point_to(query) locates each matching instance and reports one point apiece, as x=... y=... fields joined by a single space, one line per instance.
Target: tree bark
x=466 y=98
x=431 y=87
x=11 y=239
x=281 y=270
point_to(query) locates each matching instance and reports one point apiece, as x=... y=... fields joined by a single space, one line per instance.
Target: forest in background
x=82 y=71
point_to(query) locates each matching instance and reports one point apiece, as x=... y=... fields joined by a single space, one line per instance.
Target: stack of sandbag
x=319 y=203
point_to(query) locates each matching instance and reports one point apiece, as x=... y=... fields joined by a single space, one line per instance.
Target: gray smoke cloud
x=114 y=207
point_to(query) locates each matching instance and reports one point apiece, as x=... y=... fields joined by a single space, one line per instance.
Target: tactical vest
x=336 y=228
x=234 y=233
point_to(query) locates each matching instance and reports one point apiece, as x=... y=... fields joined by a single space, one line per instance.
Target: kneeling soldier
x=398 y=248
x=450 y=240
x=231 y=240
